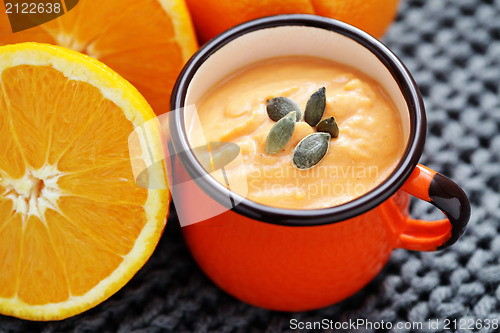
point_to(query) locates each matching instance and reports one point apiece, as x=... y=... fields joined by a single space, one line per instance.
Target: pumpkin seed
x=328 y=125
x=279 y=107
x=280 y=134
x=315 y=107
x=311 y=150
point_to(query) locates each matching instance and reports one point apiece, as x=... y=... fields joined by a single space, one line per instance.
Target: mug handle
x=428 y=185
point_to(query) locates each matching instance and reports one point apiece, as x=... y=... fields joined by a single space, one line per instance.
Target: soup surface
x=367 y=150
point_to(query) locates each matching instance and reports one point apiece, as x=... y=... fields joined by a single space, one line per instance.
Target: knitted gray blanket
x=452 y=47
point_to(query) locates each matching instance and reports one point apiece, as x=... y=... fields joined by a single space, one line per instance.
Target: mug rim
x=302 y=217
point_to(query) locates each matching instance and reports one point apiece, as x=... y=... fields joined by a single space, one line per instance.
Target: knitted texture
x=452 y=48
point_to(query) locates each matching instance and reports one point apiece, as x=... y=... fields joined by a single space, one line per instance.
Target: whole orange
x=212 y=17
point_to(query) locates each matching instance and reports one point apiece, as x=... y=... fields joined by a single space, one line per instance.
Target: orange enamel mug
x=295 y=260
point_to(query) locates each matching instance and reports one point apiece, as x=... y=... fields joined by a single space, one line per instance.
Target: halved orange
x=74 y=226
x=146 y=41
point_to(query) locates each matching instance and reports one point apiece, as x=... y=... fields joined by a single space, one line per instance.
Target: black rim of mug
x=294 y=217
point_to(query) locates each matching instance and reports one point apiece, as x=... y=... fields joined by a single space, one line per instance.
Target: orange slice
x=147 y=42
x=74 y=226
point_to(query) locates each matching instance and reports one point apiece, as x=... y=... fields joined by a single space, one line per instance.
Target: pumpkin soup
x=361 y=152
